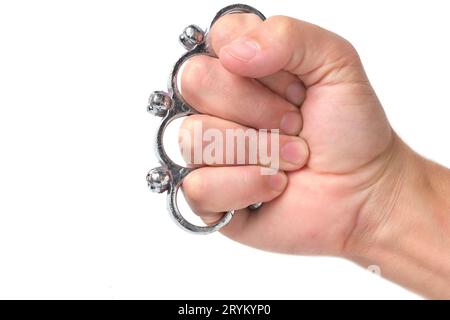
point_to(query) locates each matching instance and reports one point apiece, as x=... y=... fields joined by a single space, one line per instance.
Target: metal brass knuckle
x=170 y=105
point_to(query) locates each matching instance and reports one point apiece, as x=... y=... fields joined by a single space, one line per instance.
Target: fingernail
x=242 y=49
x=295 y=93
x=291 y=123
x=277 y=182
x=294 y=152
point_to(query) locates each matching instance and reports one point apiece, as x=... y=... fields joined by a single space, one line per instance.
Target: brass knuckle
x=170 y=105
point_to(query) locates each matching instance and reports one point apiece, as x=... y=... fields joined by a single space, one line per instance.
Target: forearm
x=408 y=236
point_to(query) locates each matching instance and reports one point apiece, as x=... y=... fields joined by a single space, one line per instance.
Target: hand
x=313 y=208
x=342 y=168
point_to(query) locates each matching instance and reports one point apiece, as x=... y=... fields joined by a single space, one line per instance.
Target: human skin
x=347 y=185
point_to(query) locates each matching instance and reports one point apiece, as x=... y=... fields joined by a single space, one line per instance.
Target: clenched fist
x=346 y=185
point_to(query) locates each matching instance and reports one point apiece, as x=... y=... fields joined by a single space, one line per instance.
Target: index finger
x=229 y=28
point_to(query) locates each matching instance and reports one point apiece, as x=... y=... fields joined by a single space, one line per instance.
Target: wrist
x=404 y=226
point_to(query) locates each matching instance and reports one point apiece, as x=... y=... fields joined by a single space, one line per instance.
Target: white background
x=76 y=217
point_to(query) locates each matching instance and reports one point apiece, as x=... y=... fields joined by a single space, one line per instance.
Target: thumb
x=314 y=54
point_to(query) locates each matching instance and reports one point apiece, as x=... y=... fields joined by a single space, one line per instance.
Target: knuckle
x=282 y=24
x=342 y=58
x=346 y=48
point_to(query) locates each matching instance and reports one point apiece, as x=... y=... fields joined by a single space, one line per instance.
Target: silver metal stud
x=158 y=179
x=158 y=103
x=192 y=36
